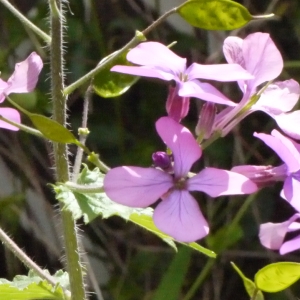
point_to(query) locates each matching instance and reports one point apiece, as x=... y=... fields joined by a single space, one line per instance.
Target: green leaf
x=109 y=84
x=52 y=130
x=31 y=287
x=201 y=249
x=277 y=277
x=173 y=279
x=214 y=14
x=249 y=284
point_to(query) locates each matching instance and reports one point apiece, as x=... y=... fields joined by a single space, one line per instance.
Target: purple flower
x=258 y=54
x=289 y=152
x=158 y=61
x=23 y=80
x=178 y=214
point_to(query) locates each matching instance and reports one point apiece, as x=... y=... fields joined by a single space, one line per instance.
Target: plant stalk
x=71 y=242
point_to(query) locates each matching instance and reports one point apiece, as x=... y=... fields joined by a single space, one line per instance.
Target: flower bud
x=161 y=160
x=177 y=107
x=206 y=120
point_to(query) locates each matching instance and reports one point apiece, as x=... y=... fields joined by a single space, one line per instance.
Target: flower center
x=183 y=77
x=180 y=184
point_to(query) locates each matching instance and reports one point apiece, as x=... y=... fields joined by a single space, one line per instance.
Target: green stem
x=255 y=294
x=94 y=158
x=205 y=271
x=14 y=248
x=83 y=133
x=60 y=150
x=139 y=37
x=26 y=22
x=92 y=189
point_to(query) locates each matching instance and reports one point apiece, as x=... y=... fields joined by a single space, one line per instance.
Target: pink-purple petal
x=289 y=123
x=217 y=182
x=279 y=97
x=283 y=147
x=25 y=76
x=204 y=91
x=135 y=186
x=232 y=49
x=3 y=86
x=159 y=56
x=10 y=114
x=271 y=235
x=179 y=139
x=262 y=58
x=291 y=191
x=220 y=72
x=144 y=71
x=289 y=246
x=179 y=216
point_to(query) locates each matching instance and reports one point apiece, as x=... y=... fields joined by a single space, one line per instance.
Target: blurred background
x=123 y=261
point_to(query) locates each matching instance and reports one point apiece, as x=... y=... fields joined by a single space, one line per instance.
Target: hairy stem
x=74 y=267
x=14 y=248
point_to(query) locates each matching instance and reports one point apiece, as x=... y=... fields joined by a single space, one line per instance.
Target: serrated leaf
x=109 y=84
x=52 y=130
x=277 y=277
x=214 y=14
x=249 y=285
x=29 y=287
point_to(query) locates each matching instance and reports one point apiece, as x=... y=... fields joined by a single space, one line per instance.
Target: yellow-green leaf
x=214 y=14
x=277 y=277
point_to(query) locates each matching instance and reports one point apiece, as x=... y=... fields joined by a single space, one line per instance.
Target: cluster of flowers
x=252 y=61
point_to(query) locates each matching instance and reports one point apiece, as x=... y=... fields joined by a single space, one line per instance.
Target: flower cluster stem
x=71 y=242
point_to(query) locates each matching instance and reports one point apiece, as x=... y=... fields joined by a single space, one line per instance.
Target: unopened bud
x=206 y=120
x=177 y=107
x=161 y=160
